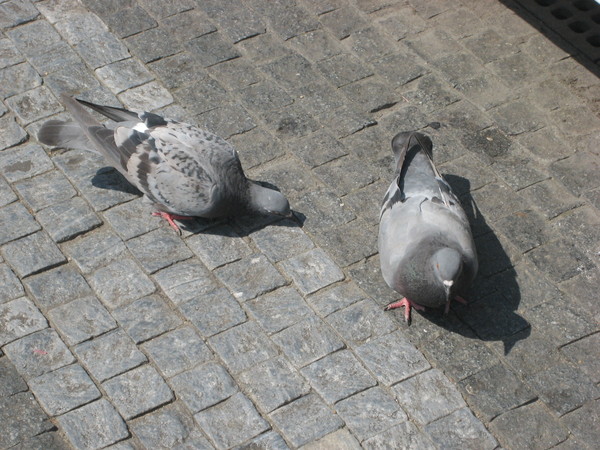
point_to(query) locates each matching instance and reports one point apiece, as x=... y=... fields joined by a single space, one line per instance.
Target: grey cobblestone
x=68 y=219
x=16 y=222
x=95 y=250
x=55 y=186
x=57 y=286
x=177 y=350
x=461 y=429
x=19 y=318
x=146 y=318
x=185 y=280
x=312 y=271
x=158 y=249
x=12 y=287
x=32 y=254
x=22 y=417
x=24 y=162
x=278 y=309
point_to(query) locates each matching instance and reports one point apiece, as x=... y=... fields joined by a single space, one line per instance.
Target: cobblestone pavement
x=114 y=331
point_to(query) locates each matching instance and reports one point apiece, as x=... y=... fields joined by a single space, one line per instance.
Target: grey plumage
x=182 y=169
x=426 y=249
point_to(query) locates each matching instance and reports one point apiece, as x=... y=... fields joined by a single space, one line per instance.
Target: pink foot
x=407 y=304
x=170 y=217
x=459 y=300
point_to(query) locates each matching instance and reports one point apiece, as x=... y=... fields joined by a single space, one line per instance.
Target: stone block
x=16 y=222
x=120 y=282
x=335 y=298
x=585 y=354
x=278 y=309
x=138 y=391
x=12 y=383
x=343 y=22
x=24 y=162
x=7 y=195
x=66 y=220
x=370 y=412
x=582 y=423
x=517 y=117
x=185 y=280
x=13 y=133
x=316 y=45
x=203 y=386
x=312 y=271
x=54 y=185
x=32 y=254
x=343 y=69
x=109 y=355
x=34 y=104
x=12 y=287
x=123 y=75
x=18 y=78
x=560 y=260
x=177 y=351
x=146 y=318
x=307 y=341
x=211 y=49
x=19 y=318
x=38 y=353
x=577 y=172
x=404 y=435
x=158 y=249
x=153 y=44
x=489 y=45
x=147 y=97
x=395 y=70
x=232 y=421
x=64 y=389
x=130 y=21
x=81 y=320
x=250 y=277
x=218 y=246
x=305 y=420
x=550 y=197
x=57 y=286
x=243 y=346
x=9 y=55
x=202 y=96
x=96 y=424
x=461 y=429
x=286 y=18
x=33 y=38
x=228 y=19
x=21 y=418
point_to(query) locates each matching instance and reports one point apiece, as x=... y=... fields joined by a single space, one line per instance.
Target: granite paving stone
x=286 y=18
x=68 y=219
x=370 y=412
x=218 y=246
x=582 y=422
x=404 y=435
x=177 y=70
x=334 y=298
x=338 y=376
x=57 y=286
x=129 y=21
x=32 y=254
x=12 y=383
x=213 y=312
x=158 y=249
x=138 y=391
x=109 y=355
x=34 y=104
x=228 y=120
x=146 y=318
x=232 y=421
x=54 y=185
x=24 y=162
x=21 y=417
x=16 y=222
x=273 y=383
x=212 y=49
x=343 y=69
x=203 y=386
x=96 y=424
x=185 y=280
x=243 y=346
x=563 y=388
x=7 y=195
x=168 y=427
x=312 y=271
x=177 y=351
x=120 y=282
x=338 y=439
x=249 y=277
x=129 y=220
x=152 y=44
x=270 y=439
x=530 y=423
x=307 y=341
x=9 y=55
x=64 y=389
x=19 y=318
x=305 y=420
x=12 y=287
x=81 y=319
x=361 y=322
x=38 y=353
x=95 y=250
x=278 y=309
x=31 y=38
x=461 y=429
x=18 y=78
x=147 y=97
x=428 y=396
x=584 y=353
x=392 y=358
x=229 y=22
x=281 y=240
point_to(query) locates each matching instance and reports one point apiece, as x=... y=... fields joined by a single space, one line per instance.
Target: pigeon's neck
x=447 y=266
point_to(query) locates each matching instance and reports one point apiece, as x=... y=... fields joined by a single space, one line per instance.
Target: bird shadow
x=111 y=179
x=494 y=297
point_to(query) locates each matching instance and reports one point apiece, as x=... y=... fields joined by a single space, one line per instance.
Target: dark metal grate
x=577 y=21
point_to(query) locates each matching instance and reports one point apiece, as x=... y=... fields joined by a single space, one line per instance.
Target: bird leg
x=407 y=305
x=170 y=217
x=459 y=299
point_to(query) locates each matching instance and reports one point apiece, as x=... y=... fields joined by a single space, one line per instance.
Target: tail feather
x=56 y=133
x=113 y=113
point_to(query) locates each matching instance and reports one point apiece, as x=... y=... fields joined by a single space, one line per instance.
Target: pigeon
x=426 y=248
x=183 y=170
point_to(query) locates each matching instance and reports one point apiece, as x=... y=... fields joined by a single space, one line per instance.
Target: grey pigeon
x=183 y=170
x=426 y=249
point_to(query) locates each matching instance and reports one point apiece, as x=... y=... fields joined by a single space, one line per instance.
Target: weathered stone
x=24 y=162
x=12 y=383
x=32 y=254
x=33 y=38
x=147 y=97
x=583 y=423
x=54 y=185
x=146 y=318
x=12 y=287
x=185 y=281
x=94 y=425
x=158 y=249
x=281 y=240
x=231 y=422
x=16 y=222
x=343 y=69
x=138 y=391
x=19 y=318
x=123 y=75
x=38 y=353
x=218 y=246
x=57 y=286
x=278 y=309
x=177 y=350
x=370 y=412
x=21 y=418
x=203 y=386
x=335 y=298
x=109 y=355
x=211 y=49
x=64 y=389
x=461 y=429
x=34 y=105
x=81 y=319
x=17 y=79
x=307 y=341
x=305 y=420
x=585 y=353
x=404 y=435
x=243 y=346
x=312 y=271
x=68 y=219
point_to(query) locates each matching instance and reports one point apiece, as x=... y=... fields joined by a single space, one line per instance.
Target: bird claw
x=407 y=304
x=170 y=218
x=459 y=299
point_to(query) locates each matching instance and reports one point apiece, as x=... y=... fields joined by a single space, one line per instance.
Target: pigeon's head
x=447 y=267
x=268 y=201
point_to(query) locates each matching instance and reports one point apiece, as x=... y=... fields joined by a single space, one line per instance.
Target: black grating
x=576 y=21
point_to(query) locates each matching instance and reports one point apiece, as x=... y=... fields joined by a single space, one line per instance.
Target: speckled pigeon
x=426 y=249
x=183 y=170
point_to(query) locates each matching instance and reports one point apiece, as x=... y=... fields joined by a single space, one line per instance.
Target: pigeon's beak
x=447 y=288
